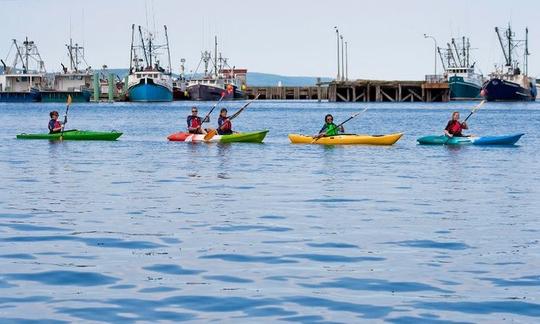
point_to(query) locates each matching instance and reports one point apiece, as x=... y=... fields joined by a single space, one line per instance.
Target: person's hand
x=449 y=135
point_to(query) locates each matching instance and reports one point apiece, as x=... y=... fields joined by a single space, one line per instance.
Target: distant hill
x=258 y=79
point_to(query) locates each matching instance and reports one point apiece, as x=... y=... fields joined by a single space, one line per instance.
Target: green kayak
x=74 y=135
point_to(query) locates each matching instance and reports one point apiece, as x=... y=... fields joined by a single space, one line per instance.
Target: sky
x=287 y=37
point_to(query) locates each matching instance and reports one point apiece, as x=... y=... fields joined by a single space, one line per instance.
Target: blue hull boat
x=149 y=93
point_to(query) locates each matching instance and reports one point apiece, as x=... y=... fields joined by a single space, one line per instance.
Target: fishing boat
x=72 y=82
x=509 y=82
x=217 y=81
x=24 y=79
x=180 y=84
x=148 y=81
x=463 y=80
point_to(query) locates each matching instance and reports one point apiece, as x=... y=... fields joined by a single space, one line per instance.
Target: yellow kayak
x=388 y=139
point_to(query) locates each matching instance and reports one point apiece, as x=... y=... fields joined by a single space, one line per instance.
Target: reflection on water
x=143 y=230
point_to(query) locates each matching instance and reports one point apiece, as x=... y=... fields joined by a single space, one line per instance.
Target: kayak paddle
x=213 y=132
x=338 y=126
x=65 y=116
x=472 y=112
x=208 y=116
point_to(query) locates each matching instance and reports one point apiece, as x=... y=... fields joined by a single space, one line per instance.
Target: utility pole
x=338 y=66
x=347 y=61
x=342 y=59
x=435 y=55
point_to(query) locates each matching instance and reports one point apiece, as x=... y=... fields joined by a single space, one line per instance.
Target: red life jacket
x=226 y=126
x=195 y=122
x=57 y=124
x=456 y=127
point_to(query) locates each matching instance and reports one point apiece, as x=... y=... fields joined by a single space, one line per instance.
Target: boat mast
x=168 y=49
x=442 y=58
x=20 y=56
x=468 y=52
x=508 y=63
x=144 y=48
x=131 y=51
x=527 y=51
x=451 y=56
x=70 y=53
x=457 y=52
x=509 y=36
x=464 y=53
x=215 y=57
x=26 y=51
x=150 y=49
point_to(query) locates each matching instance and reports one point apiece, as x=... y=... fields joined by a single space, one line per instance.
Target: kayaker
x=194 y=122
x=455 y=127
x=329 y=128
x=224 y=124
x=54 y=125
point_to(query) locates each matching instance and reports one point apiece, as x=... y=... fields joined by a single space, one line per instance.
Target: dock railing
x=435 y=78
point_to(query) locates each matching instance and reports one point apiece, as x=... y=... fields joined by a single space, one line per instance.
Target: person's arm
x=323 y=130
x=447 y=129
x=464 y=125
x=342 y=129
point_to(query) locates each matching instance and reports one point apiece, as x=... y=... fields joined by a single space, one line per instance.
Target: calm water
x=142 y=230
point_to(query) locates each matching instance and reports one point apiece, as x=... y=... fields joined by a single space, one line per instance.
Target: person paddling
x=329 y=128
x=224 y=124
x=194 y=122
x=54 y=125
x=454 y=127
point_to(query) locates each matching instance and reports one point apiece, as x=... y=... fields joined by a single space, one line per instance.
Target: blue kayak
x=470 y=140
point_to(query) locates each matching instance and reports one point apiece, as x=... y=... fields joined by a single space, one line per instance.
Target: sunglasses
x=194 y=111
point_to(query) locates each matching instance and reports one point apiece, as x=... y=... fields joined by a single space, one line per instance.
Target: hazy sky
x=290 y=37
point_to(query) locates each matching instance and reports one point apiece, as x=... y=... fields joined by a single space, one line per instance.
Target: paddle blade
x=210 y=135
x=69 y=100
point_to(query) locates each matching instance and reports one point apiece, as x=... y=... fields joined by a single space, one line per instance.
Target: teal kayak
x=470 y=140
x=74 y=135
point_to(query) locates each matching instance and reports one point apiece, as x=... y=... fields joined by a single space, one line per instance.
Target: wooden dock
x=289 y=93
x=388 y=91
x=431 y=90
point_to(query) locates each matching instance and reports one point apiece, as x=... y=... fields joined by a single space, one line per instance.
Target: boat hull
x=73 y=135
x=61 y=96
x=347 y=139
x=502 y=90
x=463 y=90
x=27 y=96
x=471 y=140
x=203 y=92
x=251 y=137
x=149 y=93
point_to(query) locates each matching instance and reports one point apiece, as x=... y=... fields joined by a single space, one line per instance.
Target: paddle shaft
x=338 y=126
x=211 y=110
x=65 y=116
x=244 y=107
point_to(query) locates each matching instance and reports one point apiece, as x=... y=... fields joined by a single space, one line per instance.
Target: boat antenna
x=144 y=48
x=168 y=49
